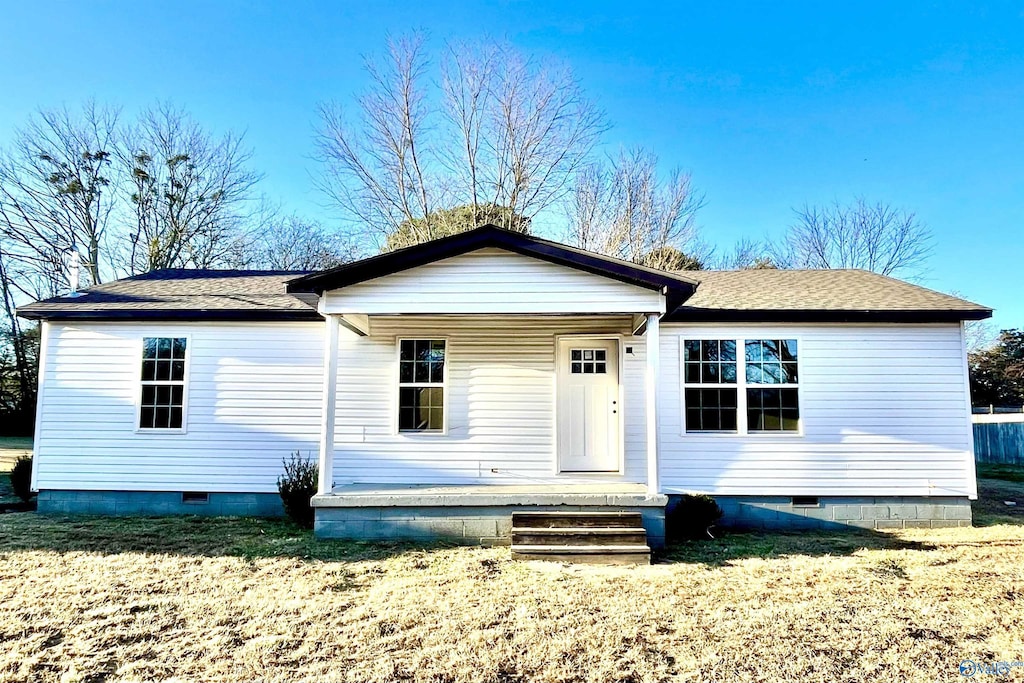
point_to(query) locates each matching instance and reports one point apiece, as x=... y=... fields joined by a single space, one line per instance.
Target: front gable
x=491 y=281
x=491 y=270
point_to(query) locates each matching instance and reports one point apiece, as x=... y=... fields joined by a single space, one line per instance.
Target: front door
x=588 y=405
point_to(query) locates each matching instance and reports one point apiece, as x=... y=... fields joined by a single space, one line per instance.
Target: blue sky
x=770 y=105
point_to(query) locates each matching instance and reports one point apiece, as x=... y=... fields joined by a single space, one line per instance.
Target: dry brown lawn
x=89 y=599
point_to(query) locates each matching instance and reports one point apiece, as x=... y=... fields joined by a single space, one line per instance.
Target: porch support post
x=651 y=401
x=328 y=404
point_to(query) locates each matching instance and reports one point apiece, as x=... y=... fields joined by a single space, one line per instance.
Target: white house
x=443 y=385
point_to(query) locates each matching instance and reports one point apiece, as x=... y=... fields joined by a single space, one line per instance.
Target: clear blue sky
x=770 y=105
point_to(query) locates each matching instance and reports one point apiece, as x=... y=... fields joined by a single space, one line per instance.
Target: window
x=163 y=383
x=588 y=361
x=421 y=392
x=752 y=392
x=769 y=363
x=709 y=374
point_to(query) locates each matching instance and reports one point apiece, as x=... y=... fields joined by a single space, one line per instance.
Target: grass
x=90 y=599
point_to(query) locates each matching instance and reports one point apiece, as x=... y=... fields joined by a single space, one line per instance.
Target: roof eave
x=171 y=315
x=916 y=316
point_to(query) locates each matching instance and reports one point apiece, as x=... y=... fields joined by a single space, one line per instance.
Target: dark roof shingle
x=185 y=293
x=795 y=294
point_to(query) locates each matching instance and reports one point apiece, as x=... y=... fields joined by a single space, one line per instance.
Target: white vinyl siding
x=500 y=402
x=253 y=398
x=492 y=281
x=882 y=409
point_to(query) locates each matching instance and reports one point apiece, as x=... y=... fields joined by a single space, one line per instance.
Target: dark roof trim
x=693 y=315
x=175 y=315
x=481 y=238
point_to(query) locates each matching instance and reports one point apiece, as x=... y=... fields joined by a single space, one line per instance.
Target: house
x=445 y=385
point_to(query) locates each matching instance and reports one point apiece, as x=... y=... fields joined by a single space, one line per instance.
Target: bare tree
x=57 y=194
x=188 y=192
x=747 y=254
x=501 y=131
x=623 y=208
x=871 y=236
x=294 y=243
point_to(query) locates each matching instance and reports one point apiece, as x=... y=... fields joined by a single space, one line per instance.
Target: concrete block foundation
x=126 y=503
x=835 y=512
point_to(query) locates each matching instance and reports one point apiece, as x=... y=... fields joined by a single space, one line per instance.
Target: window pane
x=175 y=422
x=709 y=349
x=754 y=351
x=163 y=417
x=577 y=368
x=577 y=354
x=588 y=354
x=771 y=373
x=729 y=373
x=754 y=373
x=148 y=370
x=178 y=370
x=789 y=373
x=405 y=373
x=421 y=371
x=709 y=373
x=600 y=368
x=177 y=395
x=789 y=349
x=600 y=354
x=770 y=350
x=421 y=409
x=149 y=347
x=692 y=373
x=728 y=350
x=163 y=395
x=437 y=372
x=588 y=368
x=163 y=348
x=163 y=370
x=146 y=417
x=691 y=349
x=148 y=395
x=407 y=352
x=178 y=348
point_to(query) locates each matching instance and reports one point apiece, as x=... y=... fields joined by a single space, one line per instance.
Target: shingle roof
x=739 y=296
x=793 y=294
x=185 y=293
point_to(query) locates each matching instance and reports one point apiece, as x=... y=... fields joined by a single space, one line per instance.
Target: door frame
x=617 y=339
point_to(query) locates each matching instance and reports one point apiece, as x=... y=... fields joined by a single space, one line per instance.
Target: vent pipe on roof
x=74 y=268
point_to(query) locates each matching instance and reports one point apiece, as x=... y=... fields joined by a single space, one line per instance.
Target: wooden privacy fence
x=999 y=442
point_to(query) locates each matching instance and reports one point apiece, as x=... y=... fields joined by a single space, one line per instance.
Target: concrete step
x=579 y=536
x=554 y=520
x=593 y=554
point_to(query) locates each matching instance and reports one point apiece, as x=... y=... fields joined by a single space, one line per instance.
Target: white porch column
x=651 y=401
x=328 y=404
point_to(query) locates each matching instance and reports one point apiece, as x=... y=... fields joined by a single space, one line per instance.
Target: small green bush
x=692 y=518
x=21 y=478
x=296 y=486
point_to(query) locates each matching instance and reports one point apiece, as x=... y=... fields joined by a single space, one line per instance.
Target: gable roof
x=693 y=296
x=492 y=236
x=817 y=295
x=184 y=294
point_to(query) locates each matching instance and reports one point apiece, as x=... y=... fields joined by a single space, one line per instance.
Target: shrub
x=296 y=486
x=21 y=478
x=692 y=518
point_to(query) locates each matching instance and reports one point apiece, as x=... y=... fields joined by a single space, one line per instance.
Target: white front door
x=588 y=405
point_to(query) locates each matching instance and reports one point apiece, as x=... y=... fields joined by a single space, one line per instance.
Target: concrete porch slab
x=483 y=495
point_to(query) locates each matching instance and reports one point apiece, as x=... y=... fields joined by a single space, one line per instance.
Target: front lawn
x=191 y=599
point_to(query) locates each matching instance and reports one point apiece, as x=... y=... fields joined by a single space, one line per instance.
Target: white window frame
x=399 y=385
x=741 y=385
x=139 y=383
